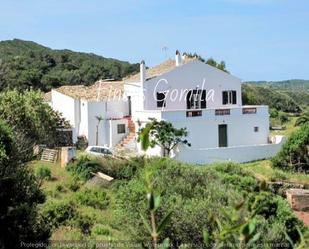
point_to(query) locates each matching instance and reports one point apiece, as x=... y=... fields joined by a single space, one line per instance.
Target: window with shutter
x=203 y=99
x=161 y=99
x=229 y=97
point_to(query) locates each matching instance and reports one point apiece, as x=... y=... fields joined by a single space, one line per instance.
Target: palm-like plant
x=304 y=118
x=99 y=119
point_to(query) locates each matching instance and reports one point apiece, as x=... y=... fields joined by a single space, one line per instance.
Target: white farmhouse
x=81 y=105
x=186 y=92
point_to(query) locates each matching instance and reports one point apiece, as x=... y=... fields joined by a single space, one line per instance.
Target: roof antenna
x=164 y=49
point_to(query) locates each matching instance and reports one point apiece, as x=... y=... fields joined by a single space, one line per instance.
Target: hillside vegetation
x=195 y=196
x=26 y=64
x=265 y=95
x=288 y=96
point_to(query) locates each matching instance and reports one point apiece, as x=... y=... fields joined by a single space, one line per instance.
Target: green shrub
x=115 y=167
x=43 y=173
x=283 y=117
x=60 y=188
x=278 y=176
x=84 y=166
x=121 y=168
x=84 y=223
x=273 y=113
x=58 y=212
x=100 y=229
x=294 y=153
x=73 y=185
x=82 y=143
x=93 y=197
x=195 y=196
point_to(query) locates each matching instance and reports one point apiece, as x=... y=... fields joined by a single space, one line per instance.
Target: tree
x=163 y=134
x=32 y=120
x=294 y=154
x=210 y=61
x=19 y=197
x=303 y=119
x=99 y=119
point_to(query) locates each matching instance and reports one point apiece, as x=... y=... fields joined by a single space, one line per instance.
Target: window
x=256 y=129
x=196 y=99
x=194 y=113
x=121 y=128
x=222 y=112
x=249 y=110
x=161 y=99
x=229 y=97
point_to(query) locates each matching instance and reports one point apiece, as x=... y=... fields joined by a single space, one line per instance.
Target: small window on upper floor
x=196 y=99
x=161 y=102
x=256 y=129
x=121 y=128
x=229 y=98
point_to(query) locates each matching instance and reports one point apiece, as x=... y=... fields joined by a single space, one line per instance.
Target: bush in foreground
x=43 y=173
x=19 y=197
x=93 y=197
x=58 y=212
x=198 y=195
x=84 y=167
x=294 y=154
x=118 y=168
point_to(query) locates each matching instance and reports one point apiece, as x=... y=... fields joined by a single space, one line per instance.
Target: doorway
x=222 y=131
x=130 y=105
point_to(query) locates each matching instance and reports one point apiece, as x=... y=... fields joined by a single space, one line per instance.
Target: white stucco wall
x=115 y=138
x=66 y=106
x=203 y=130
x=190 y=76
x=84 y=122
x=82 y=116
x=108 y=110
x=236 y=153
x=136 y=93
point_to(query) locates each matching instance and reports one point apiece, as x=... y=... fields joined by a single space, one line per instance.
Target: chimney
x=178 y=59
x=184 y=56
x=142 y=72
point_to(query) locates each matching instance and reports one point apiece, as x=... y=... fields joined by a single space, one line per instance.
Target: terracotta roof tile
x=104 y=90
x=101 y=90
x=162 y=68
x=47 y=97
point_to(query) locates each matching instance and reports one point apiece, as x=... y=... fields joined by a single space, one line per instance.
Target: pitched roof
x=155 y=71
x=101 y=90
x=104 y=90
x=47 y=97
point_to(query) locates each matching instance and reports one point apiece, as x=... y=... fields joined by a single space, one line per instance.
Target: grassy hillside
x=283 y=95
x=78 y=210
x=284 y=84
x=266 y=95
x=25 y=64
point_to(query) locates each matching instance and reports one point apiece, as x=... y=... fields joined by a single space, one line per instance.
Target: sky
x=258 y=39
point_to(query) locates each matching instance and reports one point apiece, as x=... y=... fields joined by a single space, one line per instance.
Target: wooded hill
x=289 y=96
x=26 y=64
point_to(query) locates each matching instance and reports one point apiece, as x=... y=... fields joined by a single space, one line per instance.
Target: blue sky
x=258 y=39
